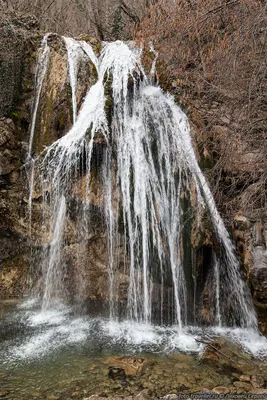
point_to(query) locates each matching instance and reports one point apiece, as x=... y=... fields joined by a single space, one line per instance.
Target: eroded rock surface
x=250 y=235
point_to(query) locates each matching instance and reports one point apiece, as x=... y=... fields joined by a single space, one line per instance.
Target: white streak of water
x=74 y=55
x=40 y=74
x=53 y=275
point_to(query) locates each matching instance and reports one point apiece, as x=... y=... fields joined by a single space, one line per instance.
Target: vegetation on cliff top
x=213 y=58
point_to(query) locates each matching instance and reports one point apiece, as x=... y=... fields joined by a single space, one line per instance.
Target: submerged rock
x=131 y=365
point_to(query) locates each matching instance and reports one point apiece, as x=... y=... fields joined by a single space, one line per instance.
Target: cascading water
x=150 y=168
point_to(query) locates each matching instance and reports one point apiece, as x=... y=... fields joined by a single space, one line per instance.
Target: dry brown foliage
x=213 y=57
x=105 y=19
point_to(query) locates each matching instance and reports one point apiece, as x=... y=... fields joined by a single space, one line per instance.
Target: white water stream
x=40 y=74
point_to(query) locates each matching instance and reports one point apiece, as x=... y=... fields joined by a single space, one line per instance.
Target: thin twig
x=214 y=348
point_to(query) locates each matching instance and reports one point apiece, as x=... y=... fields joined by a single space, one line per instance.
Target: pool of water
x=57 y=353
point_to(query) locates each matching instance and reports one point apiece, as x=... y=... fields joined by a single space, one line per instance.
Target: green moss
x=95 y=73
x=94 y=43
x=17 y=115
x=69 y=102
x=150 y=54
x=108 y=94
x=205 y=163
x=88 y=132
x=61 y=120
x=46 y=138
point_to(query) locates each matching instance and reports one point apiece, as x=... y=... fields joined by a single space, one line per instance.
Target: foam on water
x=51 y=331
x=48 y=317
x=29 y=303
x=250 y=339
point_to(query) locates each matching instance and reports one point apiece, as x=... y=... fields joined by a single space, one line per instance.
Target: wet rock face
x=10 y=148
x=17 y=48
x=16 y=33
x=250 y=235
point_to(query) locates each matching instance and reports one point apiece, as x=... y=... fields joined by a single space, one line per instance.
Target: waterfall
x=150 y=167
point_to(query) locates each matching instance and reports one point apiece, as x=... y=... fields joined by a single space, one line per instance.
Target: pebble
x=144 y=395
x=221 y=390
x=235 y=375
x=244 y=378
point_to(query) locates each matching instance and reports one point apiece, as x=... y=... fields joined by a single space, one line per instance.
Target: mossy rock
x=94 y=43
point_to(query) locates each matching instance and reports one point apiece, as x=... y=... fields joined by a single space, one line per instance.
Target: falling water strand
x=40 y=74
x=217 y=290
x=74 y=55
x=30 y=171
x=41 y=69
x=54 y=273
x=89 y=52
x=155 y=165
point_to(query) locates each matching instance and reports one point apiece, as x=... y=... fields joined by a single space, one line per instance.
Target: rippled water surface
x=50 y=351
